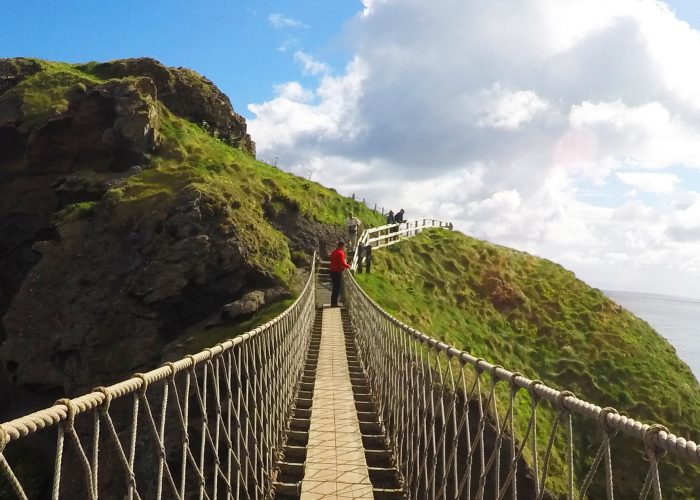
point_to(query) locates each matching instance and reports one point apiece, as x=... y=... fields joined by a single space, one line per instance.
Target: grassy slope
x=549 y=325
x=191 y=158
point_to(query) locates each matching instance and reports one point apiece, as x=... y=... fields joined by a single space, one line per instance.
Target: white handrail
x=389 y=234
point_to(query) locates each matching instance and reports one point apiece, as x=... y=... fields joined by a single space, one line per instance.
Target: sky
x=569 y=129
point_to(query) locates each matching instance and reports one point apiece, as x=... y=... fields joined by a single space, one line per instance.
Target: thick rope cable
x=399 y=361
x=69 y=427
x=679 y=446
x=7 y=470
x=253 y=409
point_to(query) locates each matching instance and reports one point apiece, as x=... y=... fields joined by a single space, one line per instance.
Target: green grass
x=533 y=316
x=238 y=191
x=220 y=333
x=244 y=188
x=45 y=94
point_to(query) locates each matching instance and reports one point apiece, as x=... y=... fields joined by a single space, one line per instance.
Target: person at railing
x=353 y=224
x=337 y=266
x=399 y=217
x=390 y=217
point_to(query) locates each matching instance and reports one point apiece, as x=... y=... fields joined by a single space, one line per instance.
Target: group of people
x=353 y=224
x=338 y=262
x=397 y=218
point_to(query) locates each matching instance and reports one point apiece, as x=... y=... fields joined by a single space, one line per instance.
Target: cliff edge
x=132 y=213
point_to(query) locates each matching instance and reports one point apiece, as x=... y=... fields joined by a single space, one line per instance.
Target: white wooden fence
x=390 y=234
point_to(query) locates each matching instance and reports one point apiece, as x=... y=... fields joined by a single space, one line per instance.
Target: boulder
x=244 y=307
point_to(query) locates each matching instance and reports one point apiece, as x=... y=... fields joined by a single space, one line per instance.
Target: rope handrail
x=411 y=374
x=251 y=377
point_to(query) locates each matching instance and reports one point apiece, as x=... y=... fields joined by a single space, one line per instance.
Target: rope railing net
x=461 y=427
x=207 y=426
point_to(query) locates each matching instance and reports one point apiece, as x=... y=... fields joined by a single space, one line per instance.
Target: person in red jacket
x=338 y=265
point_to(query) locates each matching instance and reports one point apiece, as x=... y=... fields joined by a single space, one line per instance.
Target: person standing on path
x=338 y=265
x=353 y=224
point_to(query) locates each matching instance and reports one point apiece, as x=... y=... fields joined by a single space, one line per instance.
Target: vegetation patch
x=45 y=94
x=533 y=316
x=221 y=333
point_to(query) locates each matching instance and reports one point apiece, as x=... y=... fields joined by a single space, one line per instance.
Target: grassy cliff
x=131 y=201
x=533 y=316
x=116 y=251
x=135 y=181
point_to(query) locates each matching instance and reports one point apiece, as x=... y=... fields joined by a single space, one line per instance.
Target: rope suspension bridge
x=327 y=402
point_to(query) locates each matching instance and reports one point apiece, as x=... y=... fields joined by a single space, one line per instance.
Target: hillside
x=533 y=316
x=132 y=209
x=133 y=215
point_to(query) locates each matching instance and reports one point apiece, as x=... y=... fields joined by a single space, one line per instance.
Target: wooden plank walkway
x=335 y=460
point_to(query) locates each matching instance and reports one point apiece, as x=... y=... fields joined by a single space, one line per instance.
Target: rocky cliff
x=132 y=210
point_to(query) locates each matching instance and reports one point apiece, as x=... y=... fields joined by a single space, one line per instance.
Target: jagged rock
x=13 y=71
x=83 y=297
x=244 y=307
x=186 y=94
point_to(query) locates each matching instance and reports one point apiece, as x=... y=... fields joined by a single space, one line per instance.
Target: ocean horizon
x=677 y=319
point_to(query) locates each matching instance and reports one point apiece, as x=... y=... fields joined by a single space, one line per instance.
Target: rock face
x=200 y=102
x=101 y=302
x=87 y=298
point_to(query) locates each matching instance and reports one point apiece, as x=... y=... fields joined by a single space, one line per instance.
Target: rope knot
x=170 y=365
x=511 y=381
x=192 y=361
x=653 y=449
x=531 y=389
x=560 y=400
x=104 y=407
x=603 y=420
x=477 y=365
x=71 y=410
x=144 y=382
x=494 y=377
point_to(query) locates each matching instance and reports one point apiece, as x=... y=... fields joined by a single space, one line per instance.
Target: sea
x=677 y=319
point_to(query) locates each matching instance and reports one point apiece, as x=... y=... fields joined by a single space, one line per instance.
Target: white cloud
x=293 y=91
x=284 y=125
x=309 y=65
x=517 y=119
x=500 y=108
x=280 y=21
x=649 y=182
x=646 y=135
x=288 y=44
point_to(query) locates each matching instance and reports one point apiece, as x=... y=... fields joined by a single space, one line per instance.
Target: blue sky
x=233 y=43
x=569 y=129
